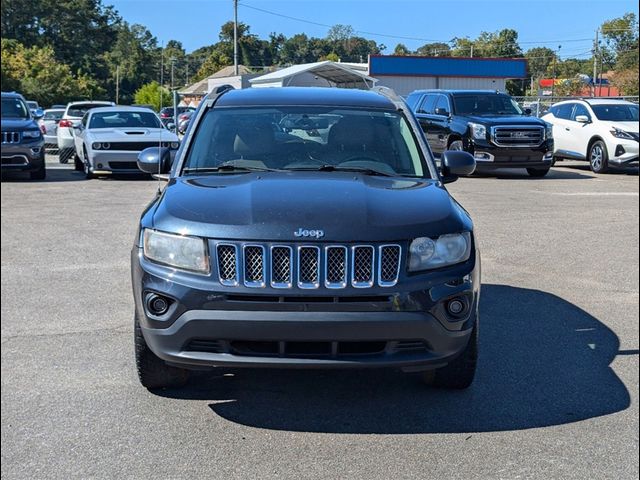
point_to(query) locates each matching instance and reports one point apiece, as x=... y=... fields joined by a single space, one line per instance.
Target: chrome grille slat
x=517 y=136
x=10 y=137
x=306 y=266
x=388 y=265
x=335 y=266
x=362 y=265
x=227 y=264
x=281 y=266
x=254 y=266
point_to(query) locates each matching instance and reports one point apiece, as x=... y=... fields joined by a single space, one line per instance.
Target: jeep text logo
x=309 y=233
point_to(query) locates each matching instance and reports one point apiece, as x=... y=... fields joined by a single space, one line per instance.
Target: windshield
x=124 y=120
x=53 y=114
x=486 y=104
x=79 y=110
x=14 y=108
x=305 y=138
x=616 y=113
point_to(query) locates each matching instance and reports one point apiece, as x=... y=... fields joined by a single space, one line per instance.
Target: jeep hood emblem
x=301 y=232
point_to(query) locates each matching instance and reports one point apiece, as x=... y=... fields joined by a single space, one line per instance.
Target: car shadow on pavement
x=554 y=174
x=543 y=361
x=57 y=175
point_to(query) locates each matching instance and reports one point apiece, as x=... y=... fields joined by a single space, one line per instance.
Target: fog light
x=620 y=150
x=99 y=165
x=456 y=307
x=157 y=304
x=483 y=157
x=35 y=150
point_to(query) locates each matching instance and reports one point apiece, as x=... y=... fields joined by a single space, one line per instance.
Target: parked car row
x=500 y=134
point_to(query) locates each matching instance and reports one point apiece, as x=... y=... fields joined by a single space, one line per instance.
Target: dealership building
x=408 y=73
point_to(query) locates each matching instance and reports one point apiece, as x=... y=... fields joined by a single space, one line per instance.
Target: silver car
x=49 y=127
x=109 y=139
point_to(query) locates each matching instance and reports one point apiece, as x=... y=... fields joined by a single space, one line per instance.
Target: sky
x=567 y=25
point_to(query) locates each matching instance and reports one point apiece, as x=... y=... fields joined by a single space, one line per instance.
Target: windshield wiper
x=228 y=168
x=337 y=168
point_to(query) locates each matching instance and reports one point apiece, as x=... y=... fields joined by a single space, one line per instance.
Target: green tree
x=213 y=63
x=539 y=59
x=37 y=74
x=620 y=36
x=626 y=81
x=153 y=94
x=401 y=49
x=436 y=49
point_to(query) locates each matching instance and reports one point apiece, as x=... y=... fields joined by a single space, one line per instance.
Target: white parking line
x=589 y=194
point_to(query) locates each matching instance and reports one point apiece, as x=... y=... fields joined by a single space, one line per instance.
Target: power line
x=400 y=37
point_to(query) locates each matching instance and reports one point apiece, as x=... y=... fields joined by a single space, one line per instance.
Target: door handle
x=567 y=129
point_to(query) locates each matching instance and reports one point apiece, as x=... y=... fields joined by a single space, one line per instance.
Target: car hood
x=132 y=134
x=492 y=120
x=18 y=124
x=626 y=126
x=271 y=206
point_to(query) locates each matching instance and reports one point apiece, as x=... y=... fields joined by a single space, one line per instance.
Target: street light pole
x=235 y=37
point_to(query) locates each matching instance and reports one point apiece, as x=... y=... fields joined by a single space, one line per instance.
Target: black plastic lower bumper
x=489 y=156
x=306 y=340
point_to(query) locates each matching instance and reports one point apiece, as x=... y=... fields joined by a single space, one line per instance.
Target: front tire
x=538 y=172
x=458 y=374
x=39 y=174
x=456 y=145
x=153 y=372
x=599 y=157
x=86 y=166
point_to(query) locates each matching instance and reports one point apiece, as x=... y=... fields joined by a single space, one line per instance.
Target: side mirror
x=171 y=126
x=155 y=160
x=455 y=163
x=527 y=111
x=38 y=114
x=442 y=111
x=582 y=119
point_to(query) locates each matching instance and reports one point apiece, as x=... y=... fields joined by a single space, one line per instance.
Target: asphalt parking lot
x=556 y=395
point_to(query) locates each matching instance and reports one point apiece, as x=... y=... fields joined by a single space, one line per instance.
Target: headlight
x=106 y=146
x=31 y=134
x=616 y=132
x=187 y=253
x=478 y=131
x=549 y=130
x=96 y=146
x=175 y=145
x=426 y=253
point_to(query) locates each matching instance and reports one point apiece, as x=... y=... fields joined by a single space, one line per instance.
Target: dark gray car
x=305 y=228
x=22 y=139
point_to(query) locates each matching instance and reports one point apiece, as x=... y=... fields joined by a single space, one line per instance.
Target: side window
x=442 y=105
x=580 y=110
x=428 y=103
x=564 y=111
x=84 y=120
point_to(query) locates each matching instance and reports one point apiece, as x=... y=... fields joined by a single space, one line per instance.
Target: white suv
x=73 y=113
x=601 y=131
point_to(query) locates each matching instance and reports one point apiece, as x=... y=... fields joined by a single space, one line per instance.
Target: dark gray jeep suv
x=22 y=140
x=305 y=228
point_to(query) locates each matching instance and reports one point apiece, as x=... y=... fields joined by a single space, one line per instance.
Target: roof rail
x=388 y=92
x=218 y=91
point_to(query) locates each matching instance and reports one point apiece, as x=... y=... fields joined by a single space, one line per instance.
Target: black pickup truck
x=488 y=124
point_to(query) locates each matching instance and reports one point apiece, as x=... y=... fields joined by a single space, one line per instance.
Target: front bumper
x=115 y=161
x=623 y=153
x=26 y=157
x=489 y=156
x=390 y=327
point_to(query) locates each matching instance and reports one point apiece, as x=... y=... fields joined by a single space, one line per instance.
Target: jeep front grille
x=308 y=266
x=10 y=137
x=517 y=136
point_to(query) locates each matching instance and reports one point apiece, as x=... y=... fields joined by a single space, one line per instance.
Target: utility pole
x=117 y=83
x=172 y=60
x=186 y=81
x=471 y=51
x=161 y=73
x=595 y=62
x=555 y=60
x=235 y=37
